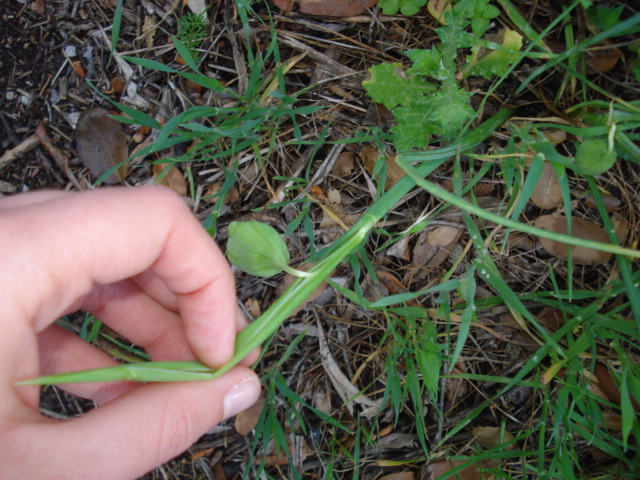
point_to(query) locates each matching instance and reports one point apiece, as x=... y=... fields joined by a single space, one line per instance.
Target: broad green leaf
x=594 y=157
x=442 y=113
x=414 y=126
x=428 y=63
x=429 y=359
x=497 y=62
x=257 y=249
x=451 y=109
x=391 y=86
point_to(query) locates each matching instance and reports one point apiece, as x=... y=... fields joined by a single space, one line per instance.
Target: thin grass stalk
x=452 y=199
x=266 y=325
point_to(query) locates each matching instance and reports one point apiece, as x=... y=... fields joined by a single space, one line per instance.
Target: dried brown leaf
x=547 y=193
x=172 y=178
x=400 y=249
x=439 y=468
x=327 y=8
x=436 y=9
x=232 y=195
x=247 y=420
x=601 y=61
x=444 y=236
x=621 y=227
x=609 y=386
x=580 y=228
x=344 y=166
x=432 y=248
x=612 y=421
x=149 y=30
x=491 y=437
x=370 y=154
x=101 y=144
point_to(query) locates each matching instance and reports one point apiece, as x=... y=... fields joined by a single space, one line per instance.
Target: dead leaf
x=344 y=166
x=253 y=307
x=432 y=248
x=551 y=318
x=580 y=228
x=247 y=420
x=439 y=468
x=327 y=8
x=141 y=133
x=400 y=249
x=436 y=9
x=394 y=286
x=601 y=61
x=149 y=30
x=322 y=397
x=456 y=389
x=79 y=68
x=334 y=213
x=117 y=86
x=101 y=144
x=370 y=154
x=232 y=195
x=555 y=136
x=491 y=437
x=621 y=227
x=399 y=476
x=612 y=421
x=547 y=193
x=378 y=115
x=609 y=386
x=38 y=6
x=610 y=202
x=172 y=178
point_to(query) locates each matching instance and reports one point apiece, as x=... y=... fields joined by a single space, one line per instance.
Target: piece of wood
x=17 y=152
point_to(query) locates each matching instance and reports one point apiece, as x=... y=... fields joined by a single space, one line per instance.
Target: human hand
x=139 y=261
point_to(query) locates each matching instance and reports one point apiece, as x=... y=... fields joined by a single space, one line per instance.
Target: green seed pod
x=257 y=249
x=593 y=156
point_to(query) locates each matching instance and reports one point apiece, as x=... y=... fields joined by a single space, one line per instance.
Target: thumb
x=129 y=436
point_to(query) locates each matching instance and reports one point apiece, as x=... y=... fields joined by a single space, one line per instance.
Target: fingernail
x=241 y=396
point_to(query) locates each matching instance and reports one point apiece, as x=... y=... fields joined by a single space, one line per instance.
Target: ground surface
x=51 y=48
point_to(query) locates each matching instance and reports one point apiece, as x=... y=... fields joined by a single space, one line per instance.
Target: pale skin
x=139 y=261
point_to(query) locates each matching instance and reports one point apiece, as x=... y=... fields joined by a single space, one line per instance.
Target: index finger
x=76 y=241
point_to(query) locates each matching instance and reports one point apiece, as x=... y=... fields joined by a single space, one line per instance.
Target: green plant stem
x=295 y=272
x=447 y=197
x=266 y=325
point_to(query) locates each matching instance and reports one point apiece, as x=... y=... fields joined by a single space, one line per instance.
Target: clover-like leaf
x=257 y=248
